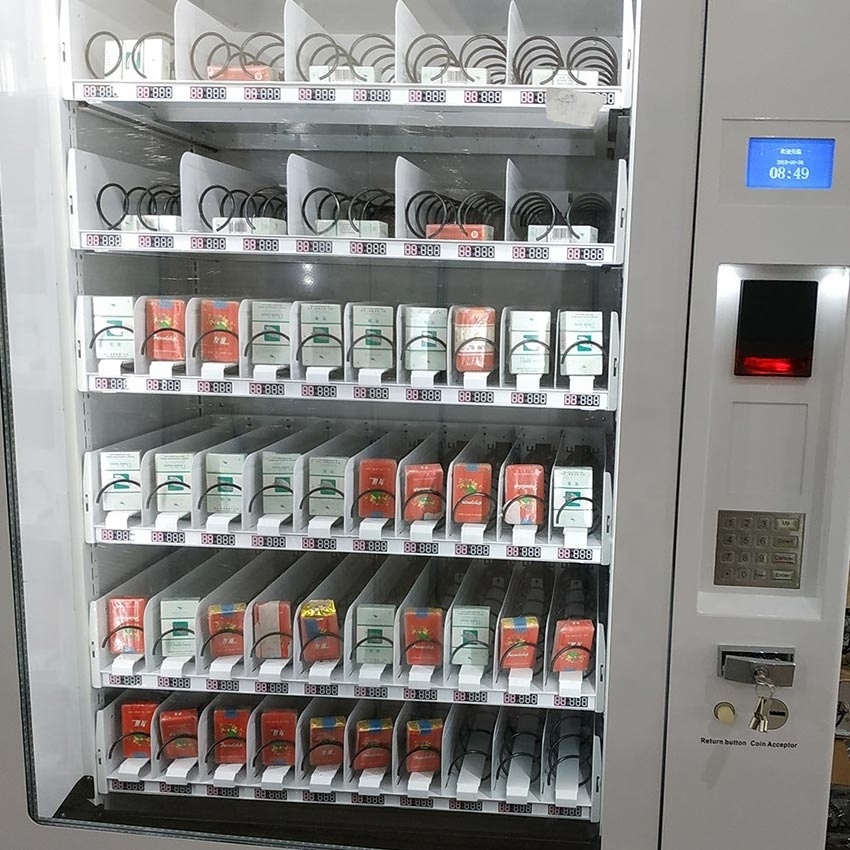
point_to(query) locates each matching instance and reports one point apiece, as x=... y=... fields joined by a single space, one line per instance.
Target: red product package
x=424 y=492
x=128 y=616
x=219 y=332
x=273 y=629
x=424 y=743
x=178 y=733
x=524 y=494
x=518 y=638
x=230 y=728
x=136 y=720
x=226 y=622
x=573 y=646
x=423 y=636
x=471 y=485
x=373 y=744
x=320 y=631
x=165 y=329
x=238 y=74
x=460 y=233
x=327 y=736
x=475 y=339
x=376 y=488
x=277 y=736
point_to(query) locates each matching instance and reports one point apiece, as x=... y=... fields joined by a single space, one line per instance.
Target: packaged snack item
x=529 y=342
x=423 y=636
x=518 y=642
x=113 y=316
x=470 y=629
x=426 y=337
x=277 y=472
x=475 y=339
x=277 y=736
x=424 y=743
x=470 y=479
x=165 y=328
x=327 y=735
x=269 y=619
x=374 y=634
x=224 y=475
x=178 y=733
x=376 y=488
x=573 y=487
x=121 y=469
x=572 y=649
x=373 y=337
x=219 y=331
x=424 y=492
x=226 y=622
x=460 y=233
x=128 y=613
x=174 y=472
x=230 y=728
x=319 y=631
x=373 y=744
x=136 y=720
x=271 y=319
x=525 y=483
x=237 y=74
x=327 y=478
x=177 y=616
x=578 y=330
x=321 y=335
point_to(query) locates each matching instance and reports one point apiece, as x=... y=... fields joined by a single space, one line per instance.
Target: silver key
x=761 y=716
x=759 y=719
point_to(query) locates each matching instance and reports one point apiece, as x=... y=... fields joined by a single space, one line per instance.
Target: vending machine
x=422 y=423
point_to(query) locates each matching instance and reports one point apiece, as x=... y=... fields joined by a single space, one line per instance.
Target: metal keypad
x=759 y=549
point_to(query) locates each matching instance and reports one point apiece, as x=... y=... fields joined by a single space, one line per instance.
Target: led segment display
x=790 y=163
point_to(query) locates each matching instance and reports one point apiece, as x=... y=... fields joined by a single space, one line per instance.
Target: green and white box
x=123 y=468
x=374 y=634
x=529 y=339
x=176 y=471
x=583 y=328
x=423 y=355
x=224 y=472
x=271 y=319
x=178 y=614
x=116 y=314
x=373 y=323
x=278 y=469
x=569 y=485
x=470 y=628
x=327 y=476
x=319 y=350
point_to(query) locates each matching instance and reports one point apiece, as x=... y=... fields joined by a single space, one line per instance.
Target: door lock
x=747 y=664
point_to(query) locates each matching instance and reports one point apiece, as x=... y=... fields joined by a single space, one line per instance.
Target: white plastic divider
x=215 y=505
x=240 y=588
x=79 y=20
x=198 y=173
x=194 y=585
x=517 y=756
x=291 y=588
x=302 y=176
x=468 y=764
x=383 y=593
x=627 y=55
x=88 y=173
x=321 y=778
x=167 y=514
x=114 y=497
x=341 y=586
x=270 y=777
x=620 y=209
x=263 y=508
x=144 y=585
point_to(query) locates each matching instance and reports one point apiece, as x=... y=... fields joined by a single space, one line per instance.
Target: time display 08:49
x=782 y=172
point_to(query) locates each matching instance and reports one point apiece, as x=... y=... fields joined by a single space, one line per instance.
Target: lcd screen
x=790 y=163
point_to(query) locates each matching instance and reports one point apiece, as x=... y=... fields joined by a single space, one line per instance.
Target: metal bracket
x=741 y=663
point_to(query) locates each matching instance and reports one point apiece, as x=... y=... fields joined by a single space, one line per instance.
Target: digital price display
x=790 y=163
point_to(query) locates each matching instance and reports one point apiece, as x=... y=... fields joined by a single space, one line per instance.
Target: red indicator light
x=788 y=367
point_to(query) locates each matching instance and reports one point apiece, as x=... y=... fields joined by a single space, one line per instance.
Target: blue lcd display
x=790 y=163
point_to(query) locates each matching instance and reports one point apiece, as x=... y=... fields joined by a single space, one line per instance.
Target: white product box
x=118 y=467
x=178 y=614
x=224 y=471
x=108 y=312
x=278 y=469
x=561 y=233
x=424 y=355
x=570 y=483
x=576 y=326
x=321 y=319
x=354 y=74
x=155 y=59
x=343 y=229
x=372 y=321
x=526 y=326
x=439 y=75
x=160 y=223
x=563 y=78
x=270 y=349
x=327 y=476
x=470 y=624
x=175 y=467
x=374 y=634
x=243 y=227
